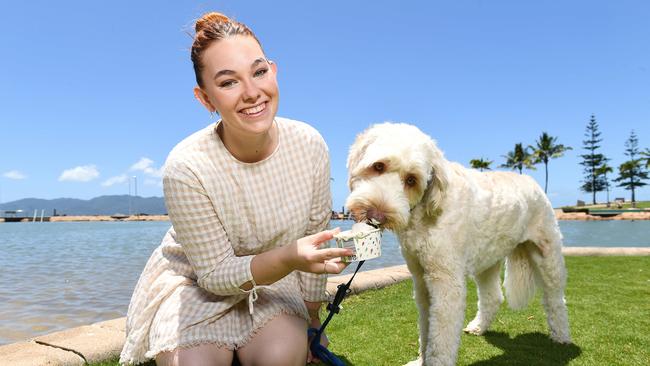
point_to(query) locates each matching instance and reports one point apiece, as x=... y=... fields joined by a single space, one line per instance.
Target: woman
x=240 y=271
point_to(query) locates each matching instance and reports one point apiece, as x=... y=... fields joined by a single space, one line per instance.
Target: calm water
x=64 y=274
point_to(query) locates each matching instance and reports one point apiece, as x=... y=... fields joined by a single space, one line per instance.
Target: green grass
x=641 y=204
x=609 y=314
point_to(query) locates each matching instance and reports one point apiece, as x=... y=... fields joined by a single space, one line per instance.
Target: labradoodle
x=452 y=222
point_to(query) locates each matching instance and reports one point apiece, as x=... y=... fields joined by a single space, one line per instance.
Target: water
x=608 y=233
x=64 y=274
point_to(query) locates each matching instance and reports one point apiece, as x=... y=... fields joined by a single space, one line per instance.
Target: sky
x=94 y=95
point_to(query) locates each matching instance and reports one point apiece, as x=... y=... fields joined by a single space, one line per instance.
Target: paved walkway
x=102 y=341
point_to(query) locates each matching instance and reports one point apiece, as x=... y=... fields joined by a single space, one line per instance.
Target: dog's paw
x=561 y=339
x=474 y=328
x=417 y=362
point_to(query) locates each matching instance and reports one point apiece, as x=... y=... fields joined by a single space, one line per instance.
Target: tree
x=480 y=164
x=632 y=173
x=646 y=157
x=547 y=148
x=518 y=159
x=592 y=160
x=602 y=171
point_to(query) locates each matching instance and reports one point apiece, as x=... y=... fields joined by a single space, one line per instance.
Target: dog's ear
x=438 y=181
x=357 y=151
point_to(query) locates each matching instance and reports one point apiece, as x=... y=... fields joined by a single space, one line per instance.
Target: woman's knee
x=202 y=355
x=282 y=342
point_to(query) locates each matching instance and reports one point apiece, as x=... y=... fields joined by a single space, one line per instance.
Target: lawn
x=609 y=313
x=642 y=204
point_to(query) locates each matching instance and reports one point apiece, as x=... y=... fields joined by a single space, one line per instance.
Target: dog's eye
x=378 y=167
x=411 y=181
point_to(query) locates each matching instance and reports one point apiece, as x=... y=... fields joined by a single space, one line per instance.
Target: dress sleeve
x=200 y=232
x=313 y=286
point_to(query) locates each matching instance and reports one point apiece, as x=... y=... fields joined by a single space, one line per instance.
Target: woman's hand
x=324 y=341
x=304 y=254
x=313 y=308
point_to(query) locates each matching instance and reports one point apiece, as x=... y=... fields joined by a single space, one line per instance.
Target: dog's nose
x=377 y=215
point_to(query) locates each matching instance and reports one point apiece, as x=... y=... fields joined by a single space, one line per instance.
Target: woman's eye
x=227 y=84
x=260 y=72
x=378 y=167
x=411 y=181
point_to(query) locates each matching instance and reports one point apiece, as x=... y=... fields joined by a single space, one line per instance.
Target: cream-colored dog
x=452 y=222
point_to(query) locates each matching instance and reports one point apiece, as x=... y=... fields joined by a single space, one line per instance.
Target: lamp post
x=135 y=190
x=129 y=197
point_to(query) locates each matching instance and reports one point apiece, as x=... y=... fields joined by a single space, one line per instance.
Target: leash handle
x=319 y=351
x=334 y=307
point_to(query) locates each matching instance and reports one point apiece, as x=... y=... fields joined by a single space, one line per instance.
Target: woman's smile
x=254 y=111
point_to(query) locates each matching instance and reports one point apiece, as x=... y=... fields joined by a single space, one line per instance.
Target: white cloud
x=145 y=165
x=115 y=180
x=142 y=164
x=83 y=173
x=14 y=174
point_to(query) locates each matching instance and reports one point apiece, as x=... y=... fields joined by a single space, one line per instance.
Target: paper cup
x=366 y=244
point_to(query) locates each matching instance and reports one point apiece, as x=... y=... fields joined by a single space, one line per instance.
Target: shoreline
x=104 y=340
x=559 y=214
x=109 y=218
x=582 y=216
x=82 y=218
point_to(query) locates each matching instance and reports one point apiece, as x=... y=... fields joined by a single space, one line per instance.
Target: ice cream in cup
x=364 y=239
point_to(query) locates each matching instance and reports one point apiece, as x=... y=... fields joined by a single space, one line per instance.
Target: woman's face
x=240 y=84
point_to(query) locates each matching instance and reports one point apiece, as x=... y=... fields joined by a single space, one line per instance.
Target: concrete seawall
x=582 y=216
x=102 y=341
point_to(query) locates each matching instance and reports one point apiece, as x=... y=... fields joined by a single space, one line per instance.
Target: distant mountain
x=103 y=205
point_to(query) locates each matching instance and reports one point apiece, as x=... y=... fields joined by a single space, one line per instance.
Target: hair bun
x=209 y=19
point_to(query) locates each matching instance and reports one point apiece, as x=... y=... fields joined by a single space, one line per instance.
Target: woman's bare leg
x=281 y=342
x=202 y=355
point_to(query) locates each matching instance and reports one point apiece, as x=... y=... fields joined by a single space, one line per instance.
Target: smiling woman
x=237 y=81
x=241 y=273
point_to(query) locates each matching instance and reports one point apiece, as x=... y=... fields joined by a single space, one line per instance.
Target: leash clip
x=335 y=305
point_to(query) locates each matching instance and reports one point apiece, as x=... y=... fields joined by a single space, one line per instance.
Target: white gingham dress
x=223 y=212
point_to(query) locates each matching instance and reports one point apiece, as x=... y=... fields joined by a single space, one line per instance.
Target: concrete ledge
x=600 y=251
x=34 y=354
x=118 y=324
x=373 y=279
x=92 y=343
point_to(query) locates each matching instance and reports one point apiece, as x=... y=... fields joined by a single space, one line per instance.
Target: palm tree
x=603 y=170
x=480 y=164
x=546 y=149
x=518 y=159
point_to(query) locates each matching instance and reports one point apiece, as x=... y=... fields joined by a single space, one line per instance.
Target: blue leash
x=317 y=349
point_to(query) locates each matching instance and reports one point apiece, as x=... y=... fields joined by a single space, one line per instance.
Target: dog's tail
x=519 y=280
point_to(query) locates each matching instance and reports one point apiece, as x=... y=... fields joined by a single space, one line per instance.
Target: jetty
x=19 y=216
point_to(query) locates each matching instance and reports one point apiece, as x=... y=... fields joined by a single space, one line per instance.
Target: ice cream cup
x=366 y=244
